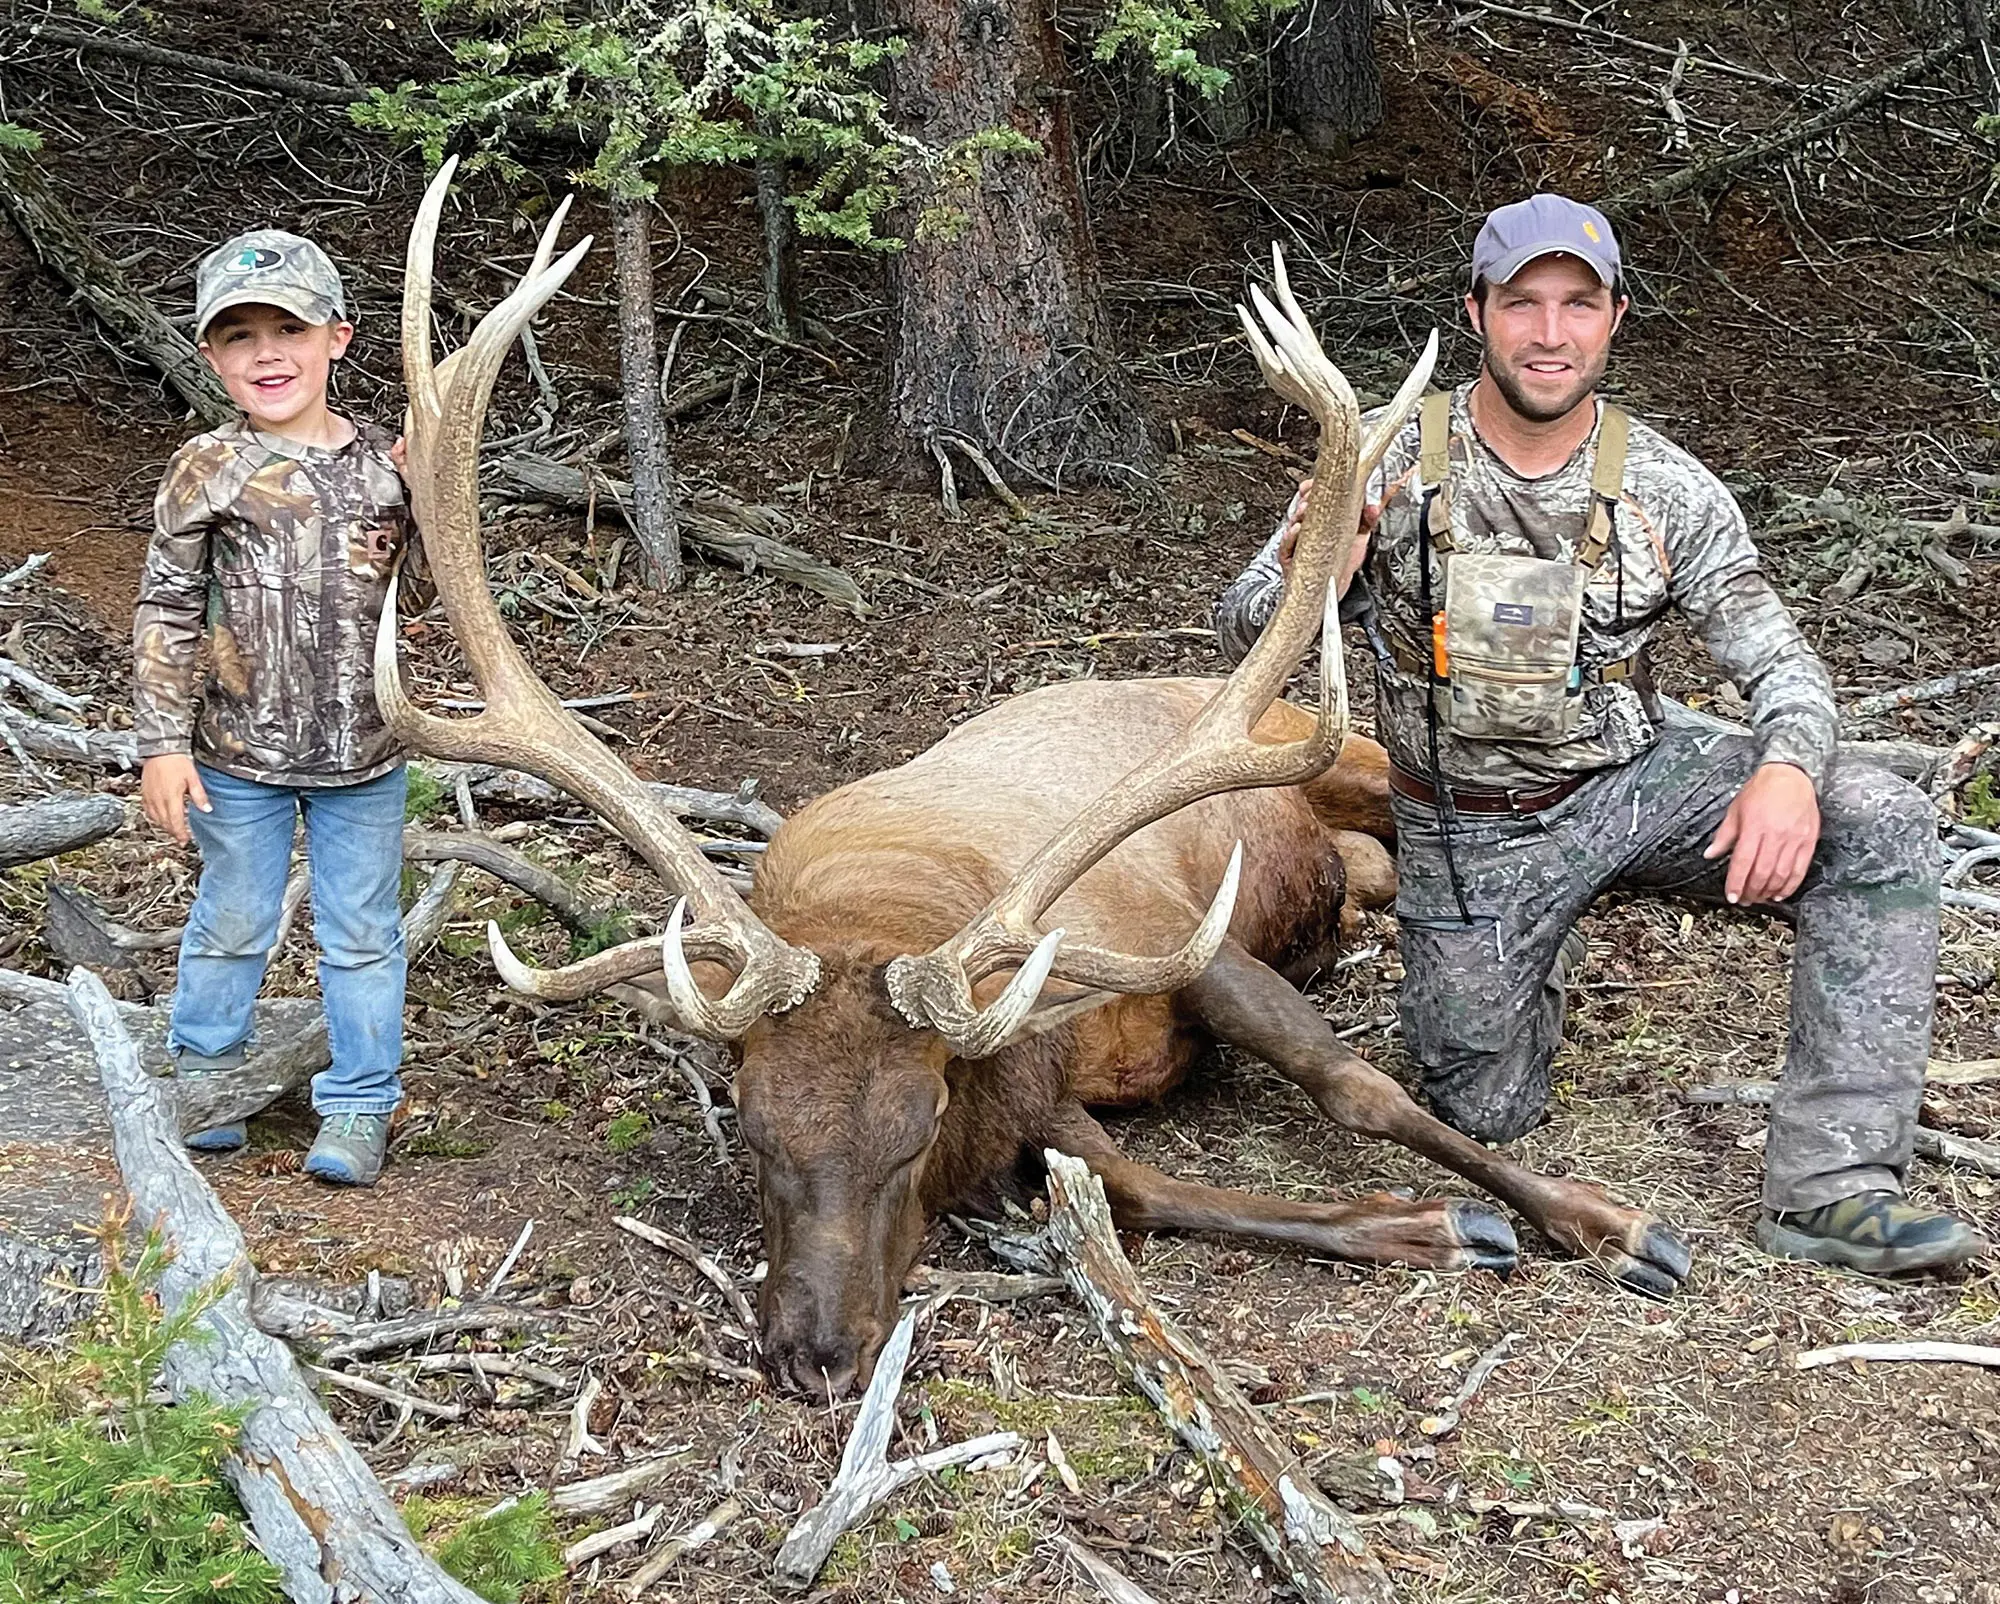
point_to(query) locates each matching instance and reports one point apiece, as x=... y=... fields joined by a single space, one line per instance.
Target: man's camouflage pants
x=1482 y=1017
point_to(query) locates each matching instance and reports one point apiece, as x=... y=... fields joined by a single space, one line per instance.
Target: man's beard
x=1533 y=410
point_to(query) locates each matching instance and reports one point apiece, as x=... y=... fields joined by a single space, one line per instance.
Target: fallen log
x=56 y=824
x=319 y=1513
x=724 y=529
x=66 y=250
x=1930 y=690
x=104 y=749
x=1313 y=1544
x=517 y=869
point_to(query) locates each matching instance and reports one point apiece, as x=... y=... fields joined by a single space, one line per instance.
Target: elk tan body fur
x=897 y=861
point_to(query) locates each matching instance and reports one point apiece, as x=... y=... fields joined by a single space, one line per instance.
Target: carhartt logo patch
x=1513 y=613
x=253 y=260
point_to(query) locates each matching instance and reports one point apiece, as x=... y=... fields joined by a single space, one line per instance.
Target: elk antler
x=524 y=726
x=1216 y=753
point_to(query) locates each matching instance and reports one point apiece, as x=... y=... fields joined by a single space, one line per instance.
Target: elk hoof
x=1485 y=1240
x=1654 y=1266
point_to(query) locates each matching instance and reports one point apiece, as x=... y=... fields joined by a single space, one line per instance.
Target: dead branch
x=709 y=1270
x=1960 y=1353
x=362 y=1387
x=1114 y=1584
x=317 y=1509
x=740 y=806
x=239 y=73
x=412 y=1330
x=1311 y=1542
x=866 y=1476
x=1708 y=174
x=1930 y=690
x=1446 y=1419
x=517 y=869
x=104 y=749
x=1939 y=1146
x=711 y=1116
x=579 y=1441
x=710 y=1526
x=67 y=251
x=601 y=1493
x=586 y=1549
x=56 y=824
x=724 y=529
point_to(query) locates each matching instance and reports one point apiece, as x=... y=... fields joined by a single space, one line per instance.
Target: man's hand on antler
x=1295 y=515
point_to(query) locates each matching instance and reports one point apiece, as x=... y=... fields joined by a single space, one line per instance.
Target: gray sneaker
x=217 y=1138
x=349 y=1149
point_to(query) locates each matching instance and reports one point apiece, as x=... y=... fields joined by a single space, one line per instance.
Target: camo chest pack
x=1503 y=649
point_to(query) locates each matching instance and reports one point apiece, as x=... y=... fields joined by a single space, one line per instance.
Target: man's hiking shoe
x=349 y=1149
x=1877 y=1233
x=217 y=1138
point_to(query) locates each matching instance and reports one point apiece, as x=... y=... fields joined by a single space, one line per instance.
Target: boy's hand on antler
x=167 y=784
x=1295 y=515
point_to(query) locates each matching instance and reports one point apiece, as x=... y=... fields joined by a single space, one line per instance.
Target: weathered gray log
x=723 y=528
x=62 y=823
x=1313 y=1544
x=1930 y=690
x=66 y=250
x=104 y=749
x=490 y=784
x=319 y=1513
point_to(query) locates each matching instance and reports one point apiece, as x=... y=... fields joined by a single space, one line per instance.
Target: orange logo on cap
x=1591 y=230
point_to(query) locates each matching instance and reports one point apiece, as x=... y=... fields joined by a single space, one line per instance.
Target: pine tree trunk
x=1330 y=87
x=781 y=243
x=999 y=328
x=654 y=518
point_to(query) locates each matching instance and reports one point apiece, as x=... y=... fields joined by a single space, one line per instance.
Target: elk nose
x=820 y=1370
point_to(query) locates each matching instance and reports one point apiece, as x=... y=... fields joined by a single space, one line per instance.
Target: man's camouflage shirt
x=1680 y=541
x=283 y=552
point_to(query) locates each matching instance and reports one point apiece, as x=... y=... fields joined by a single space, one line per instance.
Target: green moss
x=1104 y=1439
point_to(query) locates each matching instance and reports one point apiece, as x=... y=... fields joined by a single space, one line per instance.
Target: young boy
x=278 y=532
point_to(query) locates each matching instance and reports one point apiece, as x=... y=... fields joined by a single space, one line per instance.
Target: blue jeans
x=354 y=844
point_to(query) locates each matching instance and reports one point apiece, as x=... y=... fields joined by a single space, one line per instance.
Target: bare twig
x=1114 y=1584
x=601 y=1493
x=1930 y=690
x=580 y=1442
x=1447 y=1419
x=1961 y=1353
x=513 y=1256
x=363 y=1387
x=866 y=1476
x=587 y=1549
x=714 y=1273
x=389 y=1336
x=709 y=1527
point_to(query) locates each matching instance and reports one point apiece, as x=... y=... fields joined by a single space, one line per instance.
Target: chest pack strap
x=1607 y=485
x=1434 y=469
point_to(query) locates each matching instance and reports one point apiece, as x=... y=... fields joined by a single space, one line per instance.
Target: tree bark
x=999 y=327
x=1330 y=87
x=781 y=245
x=654 y=517
x=42 y=829
x=67 y=251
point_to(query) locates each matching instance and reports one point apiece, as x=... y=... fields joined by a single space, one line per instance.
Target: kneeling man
x=1527 y=540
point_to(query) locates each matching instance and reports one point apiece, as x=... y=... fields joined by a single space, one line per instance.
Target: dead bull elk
x=938 y=970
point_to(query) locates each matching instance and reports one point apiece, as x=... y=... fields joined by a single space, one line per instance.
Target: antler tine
x=419 y=377
x=524 y=725
x=1401 y=408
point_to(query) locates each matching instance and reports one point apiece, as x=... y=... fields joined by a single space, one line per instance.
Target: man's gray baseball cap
x=267 y=267
x=1544 y=225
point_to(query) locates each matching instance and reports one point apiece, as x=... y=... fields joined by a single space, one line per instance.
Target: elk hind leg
x=1249 y=1004
x=1442 y=1234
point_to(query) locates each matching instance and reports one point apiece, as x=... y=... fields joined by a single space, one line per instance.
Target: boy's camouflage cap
x=267 y=267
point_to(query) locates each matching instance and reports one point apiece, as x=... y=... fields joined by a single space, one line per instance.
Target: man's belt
x=1422 y=791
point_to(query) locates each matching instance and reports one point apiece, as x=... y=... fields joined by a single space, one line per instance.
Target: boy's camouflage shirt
x=1680 y=541
x=283 y=551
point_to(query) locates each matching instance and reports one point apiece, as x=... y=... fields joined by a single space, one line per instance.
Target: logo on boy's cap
x=268 y=267
x=251 y=259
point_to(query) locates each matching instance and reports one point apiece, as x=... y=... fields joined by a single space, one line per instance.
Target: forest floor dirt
x=1832 y=323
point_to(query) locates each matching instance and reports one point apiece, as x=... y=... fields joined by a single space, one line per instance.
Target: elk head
x=849 y=1056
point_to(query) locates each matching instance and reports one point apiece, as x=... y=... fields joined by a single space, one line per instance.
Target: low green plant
x=634 y=1195
x=627 y=1130
x=109 y=1493
x=1982 y=806
x=426 y=794
x=501 y=1555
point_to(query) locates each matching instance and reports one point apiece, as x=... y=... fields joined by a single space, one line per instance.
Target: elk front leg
x=1242 y=1001
x=1442 y=1234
